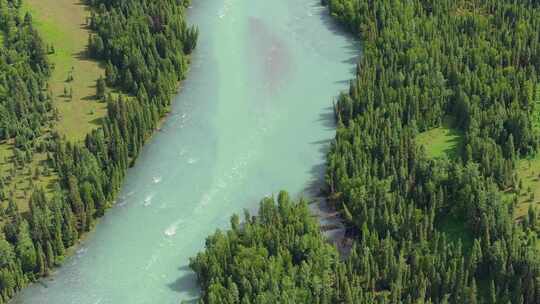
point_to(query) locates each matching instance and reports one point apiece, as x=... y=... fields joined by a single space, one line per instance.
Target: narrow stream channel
x=253 y=117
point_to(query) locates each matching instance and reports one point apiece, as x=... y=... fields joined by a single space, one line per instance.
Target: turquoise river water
x=254 y=117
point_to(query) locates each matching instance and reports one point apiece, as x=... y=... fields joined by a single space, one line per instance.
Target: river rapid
x=254 y=117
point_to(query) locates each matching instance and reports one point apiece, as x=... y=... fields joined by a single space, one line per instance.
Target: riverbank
x=332 y=225
x=226 y=143
x=91 y=173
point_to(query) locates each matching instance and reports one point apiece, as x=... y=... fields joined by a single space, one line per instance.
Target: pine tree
x=100 y=88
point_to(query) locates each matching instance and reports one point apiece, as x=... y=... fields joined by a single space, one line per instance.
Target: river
x=254 y=117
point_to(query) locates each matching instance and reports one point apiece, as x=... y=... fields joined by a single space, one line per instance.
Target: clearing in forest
x=443 y=141
x=529 y=169
x=62 y=24
x=529 y=173
x=20 y=177
x=62 y=27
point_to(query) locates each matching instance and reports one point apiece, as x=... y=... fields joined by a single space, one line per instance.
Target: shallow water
x=253 y=117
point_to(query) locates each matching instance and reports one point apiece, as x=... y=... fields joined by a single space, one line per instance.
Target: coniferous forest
x=419 y=228
x=422 y=62
x=145 y=46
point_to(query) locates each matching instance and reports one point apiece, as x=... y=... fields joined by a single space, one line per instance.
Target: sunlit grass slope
x=62 y=25
x=443 y=141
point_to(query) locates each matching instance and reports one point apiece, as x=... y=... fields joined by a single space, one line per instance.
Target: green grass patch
x=528 y=169
x=529 y=173
x=444 y=141
x=62 y=25
x=536 y=109
x=20 y=180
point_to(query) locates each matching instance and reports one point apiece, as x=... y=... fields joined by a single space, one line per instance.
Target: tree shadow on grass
x=90 y=98
x=445 y=141
x=454 y=145
x=97 y=121
x=84 y=55
x=86 y=6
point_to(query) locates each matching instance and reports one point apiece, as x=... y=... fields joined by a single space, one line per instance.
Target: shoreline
x=331 y=224
x=83 y=237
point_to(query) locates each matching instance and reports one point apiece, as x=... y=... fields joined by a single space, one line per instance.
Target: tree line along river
x=254 y=117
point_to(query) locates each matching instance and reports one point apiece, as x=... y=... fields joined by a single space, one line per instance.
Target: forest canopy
x=145 y=46
x=422 y=62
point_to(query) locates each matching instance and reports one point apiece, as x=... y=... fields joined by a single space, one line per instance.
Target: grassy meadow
x=443 y=141
x=62 y=26
x=529 y=173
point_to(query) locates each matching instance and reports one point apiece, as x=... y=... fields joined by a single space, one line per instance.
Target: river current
x=253 y=117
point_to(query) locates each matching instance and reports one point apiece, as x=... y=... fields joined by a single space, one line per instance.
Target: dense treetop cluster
x=146 y=46
x=423 y=61
x=278 y=256
x=24 y=106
